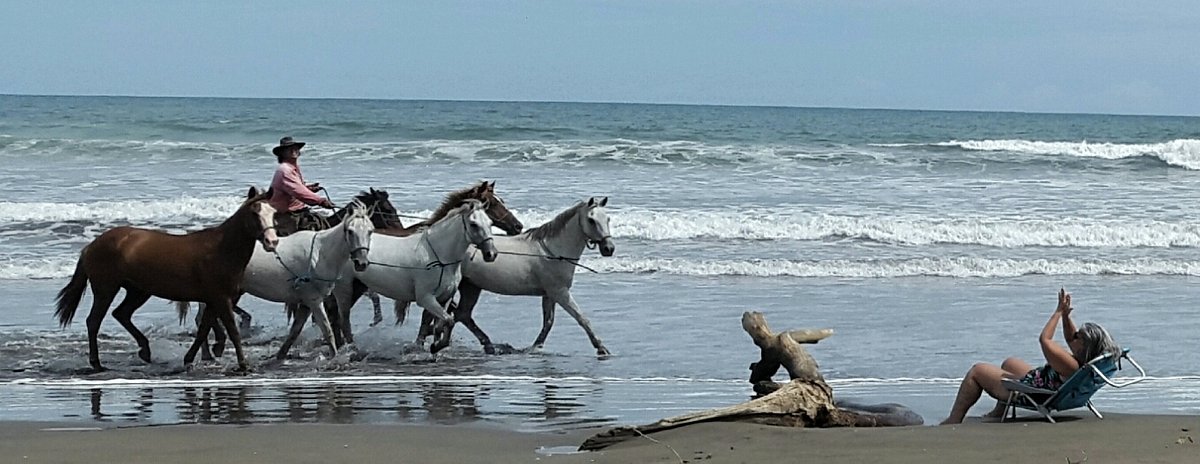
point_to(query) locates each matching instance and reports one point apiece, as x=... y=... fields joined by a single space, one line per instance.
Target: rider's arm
x=294 y=186
x=1059 y=358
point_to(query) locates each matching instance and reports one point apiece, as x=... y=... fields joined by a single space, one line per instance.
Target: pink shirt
x=290 y=193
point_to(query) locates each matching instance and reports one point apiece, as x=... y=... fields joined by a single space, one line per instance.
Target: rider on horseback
x=290 y=196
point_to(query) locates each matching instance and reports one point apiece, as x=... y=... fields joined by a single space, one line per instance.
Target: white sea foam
x=1180 y=152
x=58 y=268
x=890 y=268
x=680 y=225
x=183 y=209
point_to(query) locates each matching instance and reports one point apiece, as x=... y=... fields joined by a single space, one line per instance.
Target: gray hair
x=1096 y=342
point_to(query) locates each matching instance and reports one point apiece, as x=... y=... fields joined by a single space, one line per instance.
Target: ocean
x=927 y=240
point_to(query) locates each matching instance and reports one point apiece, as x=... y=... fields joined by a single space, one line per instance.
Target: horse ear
x=254 y=192
x=603 y=201
x=591 y=201
x=492 y=186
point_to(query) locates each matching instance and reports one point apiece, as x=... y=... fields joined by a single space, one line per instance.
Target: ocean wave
x=1183 y=153
x=175 y=210
x=679 y=225
x=890 y=268
x=963 y=267
x=447 y=150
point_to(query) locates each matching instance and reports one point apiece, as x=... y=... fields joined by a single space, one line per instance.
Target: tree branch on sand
x=805 y=401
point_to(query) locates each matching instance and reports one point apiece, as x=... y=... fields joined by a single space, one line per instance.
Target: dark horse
x=383 y=216
x=494 y=207
x=204 y=266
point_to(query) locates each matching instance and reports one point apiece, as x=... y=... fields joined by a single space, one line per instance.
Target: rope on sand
x=677 y=456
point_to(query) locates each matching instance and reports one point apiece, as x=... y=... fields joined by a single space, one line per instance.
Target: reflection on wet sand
x=537 y=405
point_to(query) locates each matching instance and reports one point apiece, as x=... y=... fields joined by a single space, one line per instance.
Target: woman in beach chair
x=1085 y=343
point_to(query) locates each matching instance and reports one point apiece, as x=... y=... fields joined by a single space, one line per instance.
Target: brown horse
x=495 y=209
x=204 y=266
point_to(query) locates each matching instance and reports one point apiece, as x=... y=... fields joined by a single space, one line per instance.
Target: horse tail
x=182 y=308
x=68 y=298
x=401 y=310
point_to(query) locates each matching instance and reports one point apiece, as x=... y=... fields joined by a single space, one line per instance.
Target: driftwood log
x=806 y=401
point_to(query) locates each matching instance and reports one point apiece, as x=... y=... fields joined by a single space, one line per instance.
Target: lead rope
x=298 y=280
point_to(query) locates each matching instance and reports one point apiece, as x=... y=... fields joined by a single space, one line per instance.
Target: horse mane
x=453 y=200
x=554 y=226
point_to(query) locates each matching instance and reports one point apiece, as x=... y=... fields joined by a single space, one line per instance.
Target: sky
x=1116 y=57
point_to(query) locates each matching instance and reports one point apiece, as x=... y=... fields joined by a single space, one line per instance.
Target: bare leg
x=1014 y=368
x=982 y=377
x=299 y=318
x=134 y=299
x=102 y=298
x=547 y=322
x=565 y=300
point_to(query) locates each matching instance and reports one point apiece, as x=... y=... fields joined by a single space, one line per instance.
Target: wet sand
x=1118 y=438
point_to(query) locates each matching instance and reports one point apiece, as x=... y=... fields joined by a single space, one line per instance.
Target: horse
x=206 y=265
x=383 y=215
x=540 y=262
x=303 y=268
x=495 y=208
x=424 y=267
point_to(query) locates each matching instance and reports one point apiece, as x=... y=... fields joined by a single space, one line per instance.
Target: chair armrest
x=1014 y=385
x=1141 y=374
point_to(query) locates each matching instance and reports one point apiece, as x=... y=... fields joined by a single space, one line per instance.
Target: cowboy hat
x=286 y=143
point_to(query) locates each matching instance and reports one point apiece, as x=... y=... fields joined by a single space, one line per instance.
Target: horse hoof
x=489 y=349
x=144 y=354
x=96 y=368
x=603 y=352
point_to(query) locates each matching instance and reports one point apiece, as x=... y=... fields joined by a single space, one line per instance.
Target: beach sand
x=1118 y=438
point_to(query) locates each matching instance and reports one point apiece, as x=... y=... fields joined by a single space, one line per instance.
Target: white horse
x=304 y=269
x=422 y=268
x=539 y=262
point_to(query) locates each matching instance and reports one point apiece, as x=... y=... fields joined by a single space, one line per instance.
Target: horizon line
x=597 y=102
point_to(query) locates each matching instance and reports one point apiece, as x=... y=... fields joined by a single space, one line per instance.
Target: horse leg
x=565 y=300
x=375 y=305
x=204 y=325
x=322 y=323
x=102 y=297
x=244 y=319
x=426 y=328
x=134 y=299
x=299 y=317
x=468 y=297
x=547 y=322
x=332 y=309
x=224 y=313
x=219 y=337
x=432 y=306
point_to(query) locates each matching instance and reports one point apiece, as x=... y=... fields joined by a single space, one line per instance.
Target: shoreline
x=1117 y=438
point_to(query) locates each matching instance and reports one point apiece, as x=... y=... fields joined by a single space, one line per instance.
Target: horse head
x=496 y=209
x=263 y=225
x=358 y=229
x=478 y=228
x=594 y=223
x=382 y=213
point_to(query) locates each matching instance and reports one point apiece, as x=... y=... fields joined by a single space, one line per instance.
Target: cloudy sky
x=1069 y=56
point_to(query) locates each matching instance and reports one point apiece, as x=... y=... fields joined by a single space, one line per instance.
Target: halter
x=298 y=280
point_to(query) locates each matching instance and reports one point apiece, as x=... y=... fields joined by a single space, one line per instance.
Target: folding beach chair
x=1075 y=392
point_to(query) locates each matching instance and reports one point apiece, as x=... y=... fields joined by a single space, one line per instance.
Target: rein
x=437 y=260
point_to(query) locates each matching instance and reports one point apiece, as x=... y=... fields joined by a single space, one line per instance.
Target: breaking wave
x=57 y=268
x=1184 y=153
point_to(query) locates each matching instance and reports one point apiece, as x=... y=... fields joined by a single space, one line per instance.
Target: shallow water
x=927 y=240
